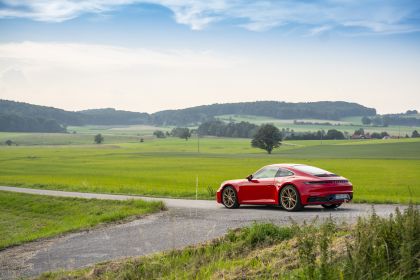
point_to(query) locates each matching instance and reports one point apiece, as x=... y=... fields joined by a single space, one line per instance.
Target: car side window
x=284 y=173
x=268 y=172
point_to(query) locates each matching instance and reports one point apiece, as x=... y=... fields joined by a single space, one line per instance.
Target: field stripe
x=169 y=202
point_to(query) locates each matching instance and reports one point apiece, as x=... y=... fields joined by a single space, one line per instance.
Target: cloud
x=319 y=30
x=95 y=57
x=374 y=16
x=95 y=74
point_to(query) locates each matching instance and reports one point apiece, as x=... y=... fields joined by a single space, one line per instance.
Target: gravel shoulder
x=186 y=222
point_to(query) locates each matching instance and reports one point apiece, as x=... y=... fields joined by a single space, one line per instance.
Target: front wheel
x=229 y=198
x=331 y=206
x=290 y=199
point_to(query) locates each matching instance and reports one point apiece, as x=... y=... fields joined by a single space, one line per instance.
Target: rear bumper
x=329 y=198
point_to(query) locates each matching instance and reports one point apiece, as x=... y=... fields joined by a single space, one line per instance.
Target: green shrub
x=385 y=248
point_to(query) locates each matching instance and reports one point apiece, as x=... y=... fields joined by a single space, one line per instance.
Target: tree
x=334 y=134
x=9 y=142
x=267 y=138
x=360 y=131
x=366 y=120
x=415 y=134
x=159 y=134
x=99 y=138
x=375 y=135
x=384 y=133
x=181 y=132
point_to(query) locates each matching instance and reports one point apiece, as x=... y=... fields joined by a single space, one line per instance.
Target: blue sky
x=152 y=55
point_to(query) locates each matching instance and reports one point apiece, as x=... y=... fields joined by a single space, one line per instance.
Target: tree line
x=407 y=119
x=221 y=129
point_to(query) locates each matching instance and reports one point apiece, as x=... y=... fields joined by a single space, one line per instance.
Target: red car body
x=314 y=186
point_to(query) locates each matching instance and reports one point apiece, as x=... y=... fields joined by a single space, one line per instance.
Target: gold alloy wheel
x=289 y=198
x=229 y=197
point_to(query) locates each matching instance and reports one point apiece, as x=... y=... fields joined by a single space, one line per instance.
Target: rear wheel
x=229 y=198
x=331 y=206
x=290 y=199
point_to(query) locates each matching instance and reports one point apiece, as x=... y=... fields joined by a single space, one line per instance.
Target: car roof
x=285 y=164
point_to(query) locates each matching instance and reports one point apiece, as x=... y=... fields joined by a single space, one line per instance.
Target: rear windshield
x=314 y=171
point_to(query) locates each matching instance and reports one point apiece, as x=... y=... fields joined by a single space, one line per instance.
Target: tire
x=290 y=199
x=331 y=206
x=230 y=198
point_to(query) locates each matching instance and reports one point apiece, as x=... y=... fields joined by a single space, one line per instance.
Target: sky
x=153 y=55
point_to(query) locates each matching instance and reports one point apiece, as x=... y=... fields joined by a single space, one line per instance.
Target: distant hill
x=19 y=116
x=110 y=116
x=327 y=110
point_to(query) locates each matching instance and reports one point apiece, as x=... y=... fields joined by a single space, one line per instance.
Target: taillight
x=328 y=182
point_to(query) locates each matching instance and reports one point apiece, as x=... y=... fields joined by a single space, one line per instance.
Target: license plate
x=342 y=196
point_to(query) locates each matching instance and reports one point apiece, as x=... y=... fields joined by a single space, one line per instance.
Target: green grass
x=381 y=171
x=374 y=248
x=25 y=217
x=121 y=130
x=30 y=139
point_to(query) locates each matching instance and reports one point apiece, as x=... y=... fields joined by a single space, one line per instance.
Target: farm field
x=381 y=170
x=25 y=217
x=348 y=125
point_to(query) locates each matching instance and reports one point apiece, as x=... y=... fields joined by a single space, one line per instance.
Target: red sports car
x=292 y=186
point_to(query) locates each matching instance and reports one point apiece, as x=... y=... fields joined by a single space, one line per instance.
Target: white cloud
x=319 y=30
x=96 y=57
x=373 y=15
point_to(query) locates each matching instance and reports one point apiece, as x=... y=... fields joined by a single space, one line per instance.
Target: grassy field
x=374 y=248
x=31 y=139
x=381 y=170
x=25 y=217
x=348 y=125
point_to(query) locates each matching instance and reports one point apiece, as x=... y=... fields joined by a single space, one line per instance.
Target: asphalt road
x=186 y=222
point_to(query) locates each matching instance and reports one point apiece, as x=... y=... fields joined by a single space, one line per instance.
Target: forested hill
x=329 y=110
x=19 y=116
x=111 y=116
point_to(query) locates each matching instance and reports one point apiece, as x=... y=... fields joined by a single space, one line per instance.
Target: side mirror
x=249 y=178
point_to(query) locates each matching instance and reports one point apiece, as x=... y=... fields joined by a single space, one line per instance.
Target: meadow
x=25 y=217
x=381 y=170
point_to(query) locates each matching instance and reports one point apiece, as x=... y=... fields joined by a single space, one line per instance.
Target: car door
x=261 y=188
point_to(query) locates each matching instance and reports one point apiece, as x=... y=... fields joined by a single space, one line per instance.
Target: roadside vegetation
x=25 y=217
x=168 y=167
x=373 y=248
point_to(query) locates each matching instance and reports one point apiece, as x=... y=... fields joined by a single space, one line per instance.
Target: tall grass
x=375 y=248
x=385 y=248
